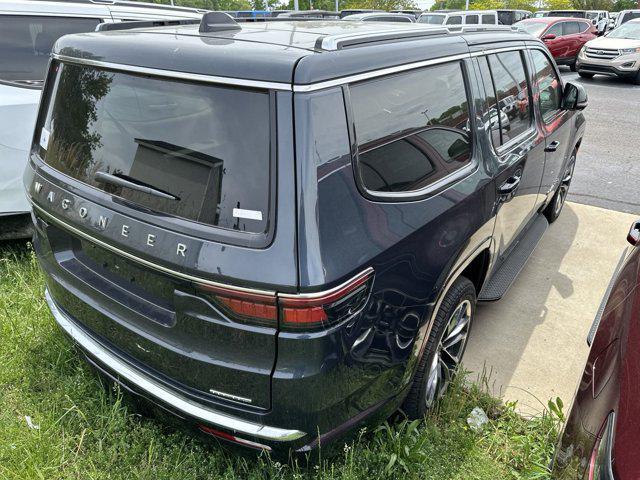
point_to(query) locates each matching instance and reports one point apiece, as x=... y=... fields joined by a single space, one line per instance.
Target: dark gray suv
x=279 y=231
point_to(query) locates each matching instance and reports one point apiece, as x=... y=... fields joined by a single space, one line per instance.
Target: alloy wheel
x=449 y=352
x=563 y=189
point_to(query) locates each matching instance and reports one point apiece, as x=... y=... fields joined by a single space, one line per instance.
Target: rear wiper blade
x=132 y=183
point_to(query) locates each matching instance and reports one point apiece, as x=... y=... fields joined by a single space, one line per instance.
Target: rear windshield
x=26 y=42
x=194 y=151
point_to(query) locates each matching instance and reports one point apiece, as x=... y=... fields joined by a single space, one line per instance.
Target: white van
x=464 y=17
x=28 y=31
x=625 y=15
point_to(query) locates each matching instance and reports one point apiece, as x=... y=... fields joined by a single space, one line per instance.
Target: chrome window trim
x=376 y=73
x=159 y=391
x=89 y=16
x=197 y=77
x=445 y=183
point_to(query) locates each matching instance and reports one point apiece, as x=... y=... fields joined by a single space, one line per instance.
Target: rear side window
x=488 y=20
x=204 y=150
x=412 y=129
x=26 y=42
x=455 y=20
x=471 y=20
x=571 y=28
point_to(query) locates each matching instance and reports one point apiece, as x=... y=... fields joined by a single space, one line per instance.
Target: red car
x=601 y=439
x=564 y=36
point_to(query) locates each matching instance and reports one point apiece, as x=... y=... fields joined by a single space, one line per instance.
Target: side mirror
x=634 y=234
x=574 y=97
x=548 y=36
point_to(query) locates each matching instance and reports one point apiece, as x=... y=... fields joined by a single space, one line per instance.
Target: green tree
x=558 y=5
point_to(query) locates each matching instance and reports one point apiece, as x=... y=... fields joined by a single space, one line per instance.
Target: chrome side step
x=502 y=279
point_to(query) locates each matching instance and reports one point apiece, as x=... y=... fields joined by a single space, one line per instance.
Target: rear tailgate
x=158 y=211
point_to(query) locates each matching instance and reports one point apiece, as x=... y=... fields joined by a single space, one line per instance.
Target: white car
x=625 y=15
x=28 y=30
x=468 y=17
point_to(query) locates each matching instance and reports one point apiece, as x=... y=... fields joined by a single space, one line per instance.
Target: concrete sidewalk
x=533 y=341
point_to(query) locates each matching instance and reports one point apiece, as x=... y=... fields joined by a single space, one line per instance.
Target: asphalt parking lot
x=532 y=343
x=609 y=161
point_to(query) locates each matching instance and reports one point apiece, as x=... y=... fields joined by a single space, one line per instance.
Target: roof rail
x=345 y=40
x=218 y=22
x=107 y=27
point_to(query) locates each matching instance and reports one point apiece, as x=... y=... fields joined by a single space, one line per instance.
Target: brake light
x=297 y=311
x=320 y=310
x=247 y=307
x=600 y=464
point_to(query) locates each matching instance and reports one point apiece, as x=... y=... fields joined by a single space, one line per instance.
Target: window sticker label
x=44 y=138
x=248 y=214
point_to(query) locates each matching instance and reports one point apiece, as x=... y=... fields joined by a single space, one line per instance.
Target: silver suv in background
x=616 y=54
x=28 y=31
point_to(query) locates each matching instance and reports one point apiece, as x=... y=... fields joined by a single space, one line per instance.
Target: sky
x=424 y=4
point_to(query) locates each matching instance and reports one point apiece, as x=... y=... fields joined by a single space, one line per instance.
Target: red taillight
x=233 y=438
x=297 y=311
x=245 y=306
x=326 y=308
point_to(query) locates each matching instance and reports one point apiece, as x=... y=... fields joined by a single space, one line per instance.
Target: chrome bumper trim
x=156 y=390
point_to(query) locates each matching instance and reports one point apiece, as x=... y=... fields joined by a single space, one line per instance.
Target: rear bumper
x=156 y=392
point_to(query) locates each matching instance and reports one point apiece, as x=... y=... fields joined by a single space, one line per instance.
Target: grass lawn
x=87 y=431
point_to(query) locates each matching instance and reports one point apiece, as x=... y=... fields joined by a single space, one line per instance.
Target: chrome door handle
x=552 y=147
x=510 y=185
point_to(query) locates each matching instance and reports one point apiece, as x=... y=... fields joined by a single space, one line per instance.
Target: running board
x=502 y=279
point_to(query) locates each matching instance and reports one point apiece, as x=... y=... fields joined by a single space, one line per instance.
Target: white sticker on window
x=248 y=214
x=44 y=138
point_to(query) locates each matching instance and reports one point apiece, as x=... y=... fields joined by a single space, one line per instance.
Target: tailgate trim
x=146 y=263
x=160 y=392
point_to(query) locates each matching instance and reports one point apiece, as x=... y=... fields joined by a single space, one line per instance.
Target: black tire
x=461 y=295
x=573 y=67
x=585 y=74
x=553 y=210
x=636 y=79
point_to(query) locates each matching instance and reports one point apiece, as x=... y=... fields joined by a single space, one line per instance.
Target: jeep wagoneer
x=279 y=231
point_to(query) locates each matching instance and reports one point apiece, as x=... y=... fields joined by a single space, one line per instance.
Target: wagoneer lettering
x=299 y=248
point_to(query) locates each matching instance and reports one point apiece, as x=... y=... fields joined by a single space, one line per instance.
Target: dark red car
x=601 y=439
x=563 y=36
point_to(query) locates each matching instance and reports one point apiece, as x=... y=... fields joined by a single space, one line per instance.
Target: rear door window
x=204 y=150
x=455 y=20
x=570 y=28
x=412 y=128
x=471 y=19
x=507 y=77
x=26 y=42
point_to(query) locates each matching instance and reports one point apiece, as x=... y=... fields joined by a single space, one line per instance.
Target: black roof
x=271 y=51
